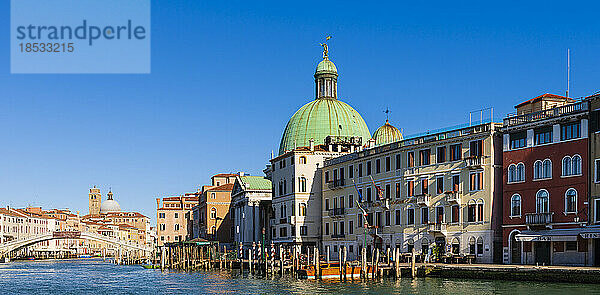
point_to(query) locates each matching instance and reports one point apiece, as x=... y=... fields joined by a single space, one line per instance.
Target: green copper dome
x=387 y=134
x=326 y=66
x=320 y=118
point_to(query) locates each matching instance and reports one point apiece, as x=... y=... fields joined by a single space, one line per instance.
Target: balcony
x=422 y=200
x=437 y=228
x=473 y=162
x=336 y=183
x=512 y=120
x=538 y=218
x=338 y=236
x=452 y=197
x=336 y=212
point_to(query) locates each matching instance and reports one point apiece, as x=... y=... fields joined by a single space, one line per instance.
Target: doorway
x=542 y=253
x=515 y=249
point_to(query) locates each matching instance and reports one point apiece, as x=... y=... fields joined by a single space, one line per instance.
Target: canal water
x=95 y=277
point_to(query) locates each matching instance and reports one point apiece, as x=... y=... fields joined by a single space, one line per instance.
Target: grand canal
x=96 y=277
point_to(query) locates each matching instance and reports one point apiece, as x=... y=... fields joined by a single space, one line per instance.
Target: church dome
x=387 y=134
x=110 y=205
x=325 y=115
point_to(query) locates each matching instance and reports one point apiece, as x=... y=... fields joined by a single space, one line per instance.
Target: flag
x=377 y=188
x=359 y=194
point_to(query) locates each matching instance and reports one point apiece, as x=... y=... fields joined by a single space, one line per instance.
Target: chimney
x=157 y=203
x=311 y=143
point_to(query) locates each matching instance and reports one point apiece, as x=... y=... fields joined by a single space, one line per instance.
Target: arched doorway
x=515 y=248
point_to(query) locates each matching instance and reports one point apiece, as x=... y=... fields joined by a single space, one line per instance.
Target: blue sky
x=227 y=75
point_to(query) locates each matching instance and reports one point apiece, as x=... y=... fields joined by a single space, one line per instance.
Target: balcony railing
x=336 y=212
x=422 y=200
x=452 y=197
x=337 y=183
x=338 y=236
x=473 y=162
x=546 y=114
x=538 y=218
x=437 y=228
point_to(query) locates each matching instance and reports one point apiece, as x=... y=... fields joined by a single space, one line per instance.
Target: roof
x=225 y=187
x=225 y=175
x=256 y=183
x=387 y=134
x=543 y=96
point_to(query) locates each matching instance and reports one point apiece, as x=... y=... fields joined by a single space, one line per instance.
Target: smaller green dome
x=326 y=66
x=387 y=134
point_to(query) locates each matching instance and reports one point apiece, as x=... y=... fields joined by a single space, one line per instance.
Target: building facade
x=442 y=189
x=251 y=210
x=546 y=183
x=174 y=221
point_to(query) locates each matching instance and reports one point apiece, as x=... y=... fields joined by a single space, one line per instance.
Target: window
x=439 y=182
x=476 y=181
x=543 y=135
x=360 y=170
x=410 y=216
x=476 y=148
x=302 y=160
x=480 y=210
x=176 y=215
x=326 y=204
x=368 y=167
x=161 y=215
x=213 y=195
x=520 y=172
x=571 y=246
x=542 y=201
x=597 y=170
x=213 y=213
x=424 y=215
x=388 y=218
x=398 y=161
x=471 y=208
x=162 y=227
x=515 y=205
x=411 y=159
x=388 y=164
x=455 y=213
x=388 y=191
x=351 y=171
x=441 y=154
x=350 y=201
x=326 y=228
x=537 y=169
x=302 y=184
x=303 y=230
x=547 y=169
x=326 y=176
x=576 y=162
x=273 y=233
x=455 y=182
x=398 y=190
x=378 y=166
x=350 y=226
x=455 y=152
x=302 y=209
x=479 y=246
x=570 y=131
x=472 y=245
x=176 y=226
x=424 y=186
x=424 y=157
x=517 y=140
x=571 y=201
x=410 y=187
x=369 y=195
x=398 y=217
x=283 y=231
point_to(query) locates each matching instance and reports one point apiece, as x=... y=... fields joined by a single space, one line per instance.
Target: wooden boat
x=330 y=271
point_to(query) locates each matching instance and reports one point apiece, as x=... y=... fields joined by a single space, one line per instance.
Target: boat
x=330 y=271
x=85 y=256
x=151 y=266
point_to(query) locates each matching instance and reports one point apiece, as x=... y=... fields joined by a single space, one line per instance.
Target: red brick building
x=546 y=182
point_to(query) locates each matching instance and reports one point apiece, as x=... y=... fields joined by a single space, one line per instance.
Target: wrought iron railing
x=546 y=114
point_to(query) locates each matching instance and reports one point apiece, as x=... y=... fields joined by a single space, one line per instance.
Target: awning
x=559 y=235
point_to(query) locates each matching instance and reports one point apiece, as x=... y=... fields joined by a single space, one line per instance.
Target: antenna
x=568 y=70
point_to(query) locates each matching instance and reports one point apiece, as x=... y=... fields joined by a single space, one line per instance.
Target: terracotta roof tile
x=545 y=95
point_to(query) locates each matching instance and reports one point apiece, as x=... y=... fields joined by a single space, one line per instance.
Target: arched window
x=537 y=170
x=424 y=245
x=472 y=245
x=302 y=184
x=542 y=200
x=410 y=245
x=479 y=246
x=480 y=210
x=547 y=169
x=576 y=162
x=455 y=246
x=571 y=201
x=520 y=172
x=302 y=209
x=566 y=166
x=213 y=230
x=302 y=160
x=515 y=205
x=512 y=173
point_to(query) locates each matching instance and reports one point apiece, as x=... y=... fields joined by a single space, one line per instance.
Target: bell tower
x=95 y=198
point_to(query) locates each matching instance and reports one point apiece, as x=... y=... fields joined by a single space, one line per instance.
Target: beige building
x=174 y=218
x=442 y=188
